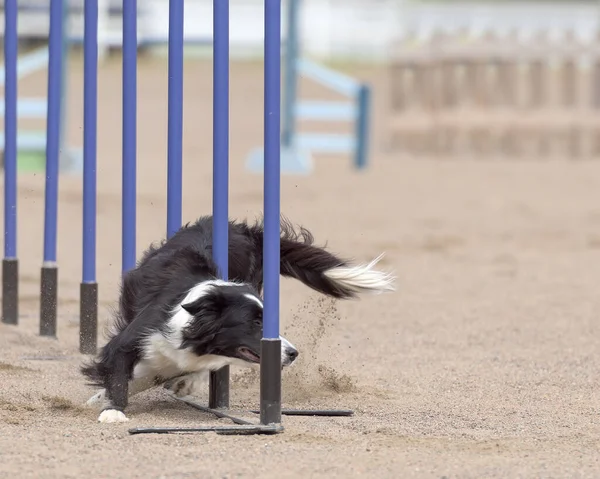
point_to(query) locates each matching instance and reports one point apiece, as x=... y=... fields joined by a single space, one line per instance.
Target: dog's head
x=226 y=319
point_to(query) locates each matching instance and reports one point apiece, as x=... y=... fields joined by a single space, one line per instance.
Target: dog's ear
x=201 y=330
x=208 y=305
x=195 y=308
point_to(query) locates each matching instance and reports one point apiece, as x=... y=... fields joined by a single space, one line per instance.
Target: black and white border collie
x=176 y=321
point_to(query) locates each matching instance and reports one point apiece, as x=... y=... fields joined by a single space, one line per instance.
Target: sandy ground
x=483 y=364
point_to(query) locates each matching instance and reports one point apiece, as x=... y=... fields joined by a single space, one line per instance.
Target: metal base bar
x=314 y=412
x=285 y=412
x=48 y=300
x=10 y=291
x=219 y=388
x=270 y=381
x=242 y=427
x=219 y=414
x=222 y=430
x=88 y=318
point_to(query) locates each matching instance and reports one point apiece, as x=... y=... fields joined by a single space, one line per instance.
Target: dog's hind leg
x=185 y=385
x=97 y=398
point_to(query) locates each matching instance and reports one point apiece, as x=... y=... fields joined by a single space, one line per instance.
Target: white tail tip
x=362 y=278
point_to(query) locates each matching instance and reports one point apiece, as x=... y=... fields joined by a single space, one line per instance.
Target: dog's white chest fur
x=163 y=355
x=164 y=359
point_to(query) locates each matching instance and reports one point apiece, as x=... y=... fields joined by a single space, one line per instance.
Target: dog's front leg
x=136 y=386
x=116 y=394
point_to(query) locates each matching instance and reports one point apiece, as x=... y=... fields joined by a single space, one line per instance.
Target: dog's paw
x=112 y=415
x=96 y=398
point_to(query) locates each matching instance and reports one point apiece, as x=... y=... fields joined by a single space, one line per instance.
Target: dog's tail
x=325 y=272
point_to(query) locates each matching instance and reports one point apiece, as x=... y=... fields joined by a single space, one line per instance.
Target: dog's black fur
x=225 y=323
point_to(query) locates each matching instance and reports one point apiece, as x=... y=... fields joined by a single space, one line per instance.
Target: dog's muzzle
x=288 y=352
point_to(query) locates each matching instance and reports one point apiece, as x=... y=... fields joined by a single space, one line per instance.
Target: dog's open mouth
x=249 y=355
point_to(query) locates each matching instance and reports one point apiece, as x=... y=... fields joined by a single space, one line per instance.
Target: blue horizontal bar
x=326 y=110
x=31 y=140
x=326 y=143
x=29 y=63
x=338 y=82
x=29 y=108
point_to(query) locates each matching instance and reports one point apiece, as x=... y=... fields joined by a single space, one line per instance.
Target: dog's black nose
x=293 y=354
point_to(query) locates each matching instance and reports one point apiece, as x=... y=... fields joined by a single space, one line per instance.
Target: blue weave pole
x=272 y=167
x=175 y=121
x=221 y=135
x=53 y=130
x=270 y=359
x=219 y=380
x=63 y=84
x=129 y=131
x=88 y=297
x=49 y=282
x=290 y=92
x=10 y=263
x=90 y=115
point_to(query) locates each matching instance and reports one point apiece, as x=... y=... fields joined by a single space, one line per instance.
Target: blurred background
x=499 y=78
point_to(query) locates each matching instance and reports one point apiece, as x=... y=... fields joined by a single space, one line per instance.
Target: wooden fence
x=496 y=96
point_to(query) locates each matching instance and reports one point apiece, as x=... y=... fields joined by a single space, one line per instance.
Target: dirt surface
x=483 y=364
